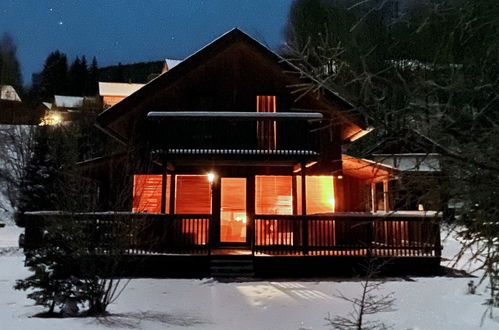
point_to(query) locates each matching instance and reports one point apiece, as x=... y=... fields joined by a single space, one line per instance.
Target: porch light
x=51 y=119
x=211 y=177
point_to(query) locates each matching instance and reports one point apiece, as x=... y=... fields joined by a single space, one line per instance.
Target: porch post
x=303 y=190
x=304 y=209
x=163 y=190
x=216 y=196
x=173 y=181
x=250 y=211
x=294 y=192
x=386 y=196
x=373 y=197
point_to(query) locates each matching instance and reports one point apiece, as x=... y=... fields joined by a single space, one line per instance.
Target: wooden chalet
x=245 y=174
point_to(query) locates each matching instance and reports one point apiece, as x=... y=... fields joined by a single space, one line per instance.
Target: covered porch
x=408 y=234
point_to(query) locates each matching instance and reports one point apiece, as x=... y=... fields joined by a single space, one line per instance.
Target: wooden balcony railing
x=348 y=234
x=338 y=234
x=122 y=232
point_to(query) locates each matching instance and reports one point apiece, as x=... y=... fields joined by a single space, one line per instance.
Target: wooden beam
x=164 y=182
x=173 y=181
x=216 y=198
x=386 y=196
x=294 y=191
x=304 y=209
x=250 y=210
x=239 y=115
x=303 y=190
x=373 y=197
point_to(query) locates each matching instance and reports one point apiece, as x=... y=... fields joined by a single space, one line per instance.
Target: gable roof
x=404 y=141
x=118 y=88
x=197 y=59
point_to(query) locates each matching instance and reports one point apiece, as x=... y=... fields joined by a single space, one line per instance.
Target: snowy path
x=421 y=303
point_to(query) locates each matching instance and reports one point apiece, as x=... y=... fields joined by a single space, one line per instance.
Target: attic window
x=266 y=130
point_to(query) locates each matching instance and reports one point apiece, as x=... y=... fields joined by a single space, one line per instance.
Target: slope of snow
x=421 y=303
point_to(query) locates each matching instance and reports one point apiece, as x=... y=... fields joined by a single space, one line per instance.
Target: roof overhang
x=367 y=170
x=236 y=115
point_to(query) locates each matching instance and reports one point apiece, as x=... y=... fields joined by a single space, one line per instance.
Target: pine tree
x=78 y=77
x=10 y=72
x=93 y=78
x=54 y=76
x=39 y=185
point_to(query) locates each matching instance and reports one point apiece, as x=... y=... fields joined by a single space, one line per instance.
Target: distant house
x=239 y=176
x=114 y=92
x=418 y=162
x=169 y=64
x=13 y=111
x=64 y=107
x=8 y=93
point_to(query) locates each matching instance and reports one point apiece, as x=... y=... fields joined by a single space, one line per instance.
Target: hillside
x=140 y=72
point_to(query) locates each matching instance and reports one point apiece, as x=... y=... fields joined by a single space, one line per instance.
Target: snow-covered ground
x=421 y=302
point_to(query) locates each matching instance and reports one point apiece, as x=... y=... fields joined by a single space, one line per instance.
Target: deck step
x=229 y=267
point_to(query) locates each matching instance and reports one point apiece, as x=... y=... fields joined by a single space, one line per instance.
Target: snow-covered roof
x=170 y=63
x=237 y=152
x=117 y=88
x=64 y=101
x=8 y=92
x=69 y=102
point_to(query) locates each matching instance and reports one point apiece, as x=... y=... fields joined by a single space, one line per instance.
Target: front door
x=233 y=216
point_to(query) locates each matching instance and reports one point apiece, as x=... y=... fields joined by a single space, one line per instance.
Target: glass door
x=233 y=216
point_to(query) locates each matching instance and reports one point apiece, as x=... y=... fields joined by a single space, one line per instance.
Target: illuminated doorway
x=233 y=217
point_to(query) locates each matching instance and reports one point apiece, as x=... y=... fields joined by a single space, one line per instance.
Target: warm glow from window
x=192 y=194
x=147 y=193
x=320 y=194
x=274 y=194
x=233 y=210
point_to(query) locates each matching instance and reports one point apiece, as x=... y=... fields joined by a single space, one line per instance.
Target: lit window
x=266 y=129
x=274 y=194
x=147 y=192
x=320 y=194
x=192 y=194
x=233 y=217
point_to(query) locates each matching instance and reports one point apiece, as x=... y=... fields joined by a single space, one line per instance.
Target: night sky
x=133 y=30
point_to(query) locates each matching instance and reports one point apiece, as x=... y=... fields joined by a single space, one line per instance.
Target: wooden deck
x=337 y=234
x=160 y=245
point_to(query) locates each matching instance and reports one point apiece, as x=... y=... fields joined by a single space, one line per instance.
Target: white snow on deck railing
x=237 y=152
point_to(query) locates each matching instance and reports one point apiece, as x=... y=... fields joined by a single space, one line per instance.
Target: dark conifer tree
x=54 y=76
x=93 y=78
x=10 y=72
x=78 y=76
x=39 y=185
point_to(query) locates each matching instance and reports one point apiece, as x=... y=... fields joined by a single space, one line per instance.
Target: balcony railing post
x=304 y=221
x=438 y=245
x=370 y=238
